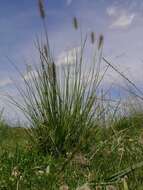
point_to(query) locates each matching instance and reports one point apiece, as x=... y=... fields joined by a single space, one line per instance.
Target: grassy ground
x=112 y=156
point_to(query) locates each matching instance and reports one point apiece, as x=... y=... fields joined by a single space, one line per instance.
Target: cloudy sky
x=120 y=21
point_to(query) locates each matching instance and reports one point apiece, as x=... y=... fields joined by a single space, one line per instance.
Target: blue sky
x=120 y=21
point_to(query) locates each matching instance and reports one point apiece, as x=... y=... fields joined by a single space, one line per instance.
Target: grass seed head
x=75 y=23
x=101 y=40
x=41 y=8
x=92 y=37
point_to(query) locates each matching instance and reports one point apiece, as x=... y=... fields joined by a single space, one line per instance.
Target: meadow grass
x=106 y=160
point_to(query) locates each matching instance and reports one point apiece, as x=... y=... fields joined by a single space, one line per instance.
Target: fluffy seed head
x=41 y=8
x=92 y=37
x=75 y=23
x=101 y=40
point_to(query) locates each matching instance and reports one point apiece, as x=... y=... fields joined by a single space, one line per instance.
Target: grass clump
x=61 y=107
x=61 y=114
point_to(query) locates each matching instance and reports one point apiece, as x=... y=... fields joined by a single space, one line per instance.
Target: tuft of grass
x=62 y=108
x=61 y=111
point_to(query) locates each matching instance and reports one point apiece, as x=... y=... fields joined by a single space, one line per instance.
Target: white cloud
x=123 y=21
x=121 y=18
x=111 y=11
x=5 y=82
x=69 y=2
x=68 y=57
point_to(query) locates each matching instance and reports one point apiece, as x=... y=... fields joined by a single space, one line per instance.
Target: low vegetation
x=111 y=158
